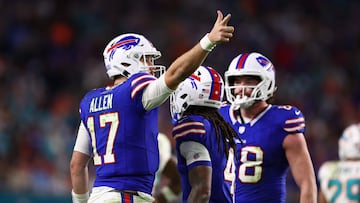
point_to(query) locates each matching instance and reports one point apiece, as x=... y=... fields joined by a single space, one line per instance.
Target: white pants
x=110 y=195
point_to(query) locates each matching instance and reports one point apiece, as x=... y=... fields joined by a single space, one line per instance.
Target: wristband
x=168 y=194
x=206 y=44
x=79 y=198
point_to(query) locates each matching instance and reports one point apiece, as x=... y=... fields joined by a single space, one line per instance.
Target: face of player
x=149 y=62
x=245 y=85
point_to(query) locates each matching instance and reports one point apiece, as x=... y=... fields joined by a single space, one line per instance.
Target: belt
x=131 y=192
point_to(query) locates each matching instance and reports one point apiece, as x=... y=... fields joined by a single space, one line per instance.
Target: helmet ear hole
x=183 y=96
x=185 y=105
x=125 y=64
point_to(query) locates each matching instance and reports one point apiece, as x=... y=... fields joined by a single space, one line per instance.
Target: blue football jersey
x=123 y=135
x=262 y=168
x=198 y=129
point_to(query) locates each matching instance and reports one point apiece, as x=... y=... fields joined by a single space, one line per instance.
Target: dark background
x=51 y=54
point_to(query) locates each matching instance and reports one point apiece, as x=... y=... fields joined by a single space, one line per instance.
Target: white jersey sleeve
x=194 y=151
x=82 y=143
x=340 y=181
x=165 y=155
x=156 y=93
x=164 y=150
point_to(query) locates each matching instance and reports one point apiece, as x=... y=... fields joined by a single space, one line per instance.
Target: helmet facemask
x=147 y=65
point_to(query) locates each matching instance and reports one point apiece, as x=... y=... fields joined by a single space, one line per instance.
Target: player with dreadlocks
x=204 y=141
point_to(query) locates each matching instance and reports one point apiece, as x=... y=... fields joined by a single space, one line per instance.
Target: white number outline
x=229 y=171
x=113 y=120
x=245 y=163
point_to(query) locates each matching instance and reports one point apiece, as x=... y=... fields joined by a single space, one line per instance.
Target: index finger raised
x=220 y=17
x=226 y=19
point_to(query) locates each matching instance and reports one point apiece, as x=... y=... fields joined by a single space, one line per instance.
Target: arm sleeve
x=194 y=151
x=156 y=93
x=164 y=150
x=82 y=143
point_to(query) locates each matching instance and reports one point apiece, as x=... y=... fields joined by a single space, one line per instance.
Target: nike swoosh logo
x=237 y=141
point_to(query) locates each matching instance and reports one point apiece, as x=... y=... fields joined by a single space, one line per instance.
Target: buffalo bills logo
x=125 y=43
x=264 y=62
x=192 y=81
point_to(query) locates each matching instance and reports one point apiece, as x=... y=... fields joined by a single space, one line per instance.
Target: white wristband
x=168 y=194
x=79 y=198
x=206 y=44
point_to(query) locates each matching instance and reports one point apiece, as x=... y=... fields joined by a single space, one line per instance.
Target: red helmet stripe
x=215 y=92
x=120 y=44
x=242 y=60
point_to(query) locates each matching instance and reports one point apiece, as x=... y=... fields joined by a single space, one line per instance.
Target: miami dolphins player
x=340 y=180
x=272 y=135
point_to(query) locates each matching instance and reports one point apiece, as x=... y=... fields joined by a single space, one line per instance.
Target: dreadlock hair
x=221 y=126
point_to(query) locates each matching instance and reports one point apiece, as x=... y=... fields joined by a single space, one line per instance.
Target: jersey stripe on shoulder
x=183 y=129
x=140 y=83
x=294 y=125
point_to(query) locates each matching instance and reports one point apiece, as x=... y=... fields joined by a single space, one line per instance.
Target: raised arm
x=187 y=63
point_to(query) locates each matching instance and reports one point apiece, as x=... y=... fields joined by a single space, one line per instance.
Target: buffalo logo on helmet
x=193 y=83
x=263 y=61
x=125 y=43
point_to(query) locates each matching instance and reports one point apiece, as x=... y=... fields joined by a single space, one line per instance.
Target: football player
x=119 y=124
x=204 y=141
x=272 y=136
x=340 y=180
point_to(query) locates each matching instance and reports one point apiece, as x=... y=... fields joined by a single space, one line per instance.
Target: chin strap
x=238 y=114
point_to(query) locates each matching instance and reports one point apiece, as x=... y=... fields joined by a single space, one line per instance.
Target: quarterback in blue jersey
x=205 y=142
x=119 y=124
x=272 y=136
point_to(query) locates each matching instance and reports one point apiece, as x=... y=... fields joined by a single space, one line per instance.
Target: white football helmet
x=349 y=143
x=204 y=87
x=123 y=55
x=250 y=64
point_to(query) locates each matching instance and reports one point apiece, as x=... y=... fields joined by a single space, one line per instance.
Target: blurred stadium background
x=51 y=54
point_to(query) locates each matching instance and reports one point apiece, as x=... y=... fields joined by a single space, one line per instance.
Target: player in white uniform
x=340 y=180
